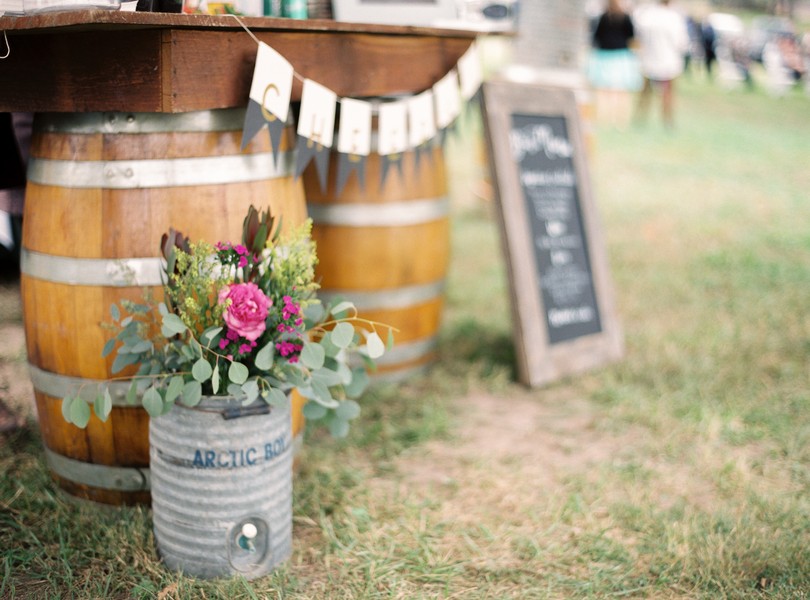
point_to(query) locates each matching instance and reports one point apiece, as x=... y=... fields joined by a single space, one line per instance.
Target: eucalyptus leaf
x=251 y=391
x=163 y=309
x=265 y=356
x=374 y=345
x=238 y=373
x=127 y=321
x=313 y=411
x=344 y=372
x=330 y=348
x=122 y=361
x=79 y=413
x=66 y=402
x=342 y=335
x=313 y=355
x=348 y=410
x=132 y=392
x=359 y=383
x=339 y=428
x=341 y=307
x=153 y=402
x=167 y=407
x=108 y=347
x=234 y=390
x=202 y=371
x=209 y=335
x=322 y=395
x=327 y=377
x=276 y=397
x=215 y=378
x=141 y=346
x=314 y=312
x=175 y=388
x=103 y=405
x=173 y=323
x=296 y=377
x=115 y=312
x=188 y=352
x=192 y=393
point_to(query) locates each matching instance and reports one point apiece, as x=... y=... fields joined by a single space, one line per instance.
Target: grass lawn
x=682 y=471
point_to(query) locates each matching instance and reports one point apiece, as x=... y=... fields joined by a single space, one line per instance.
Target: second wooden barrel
x=102 y=189
x=387 y=249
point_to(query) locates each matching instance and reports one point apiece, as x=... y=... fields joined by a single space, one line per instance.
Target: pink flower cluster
x=290 y=311
x=242 y=258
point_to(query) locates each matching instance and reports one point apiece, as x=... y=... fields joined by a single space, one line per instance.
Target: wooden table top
x=105 y=60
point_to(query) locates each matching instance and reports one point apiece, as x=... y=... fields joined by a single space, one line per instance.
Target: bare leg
x=666 y=103
x=643 y=101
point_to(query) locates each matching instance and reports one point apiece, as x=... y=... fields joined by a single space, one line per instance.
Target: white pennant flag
x=269 y=102
x=448 y=101
x=316 y=129
x=470 y=72
x=316 y=121
x=392 y=129
x=354 y=140
x=422 y=120
x=354 y=134
x=272 y=82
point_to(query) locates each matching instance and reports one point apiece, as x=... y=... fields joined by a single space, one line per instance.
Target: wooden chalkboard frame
x=539 y=360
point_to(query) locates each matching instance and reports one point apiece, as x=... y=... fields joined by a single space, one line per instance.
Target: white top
x=663 y=41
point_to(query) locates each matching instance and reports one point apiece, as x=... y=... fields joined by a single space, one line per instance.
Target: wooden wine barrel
x=387 y=249
x=102 y=189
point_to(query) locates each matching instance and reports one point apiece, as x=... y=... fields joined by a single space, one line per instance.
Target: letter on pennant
x=354 y=140
x=392 y=136
x=422 y=122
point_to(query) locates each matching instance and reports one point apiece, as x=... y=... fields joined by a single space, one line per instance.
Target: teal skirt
x=614 y=70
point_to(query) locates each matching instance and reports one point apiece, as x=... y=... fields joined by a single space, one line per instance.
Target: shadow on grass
x=471 y=342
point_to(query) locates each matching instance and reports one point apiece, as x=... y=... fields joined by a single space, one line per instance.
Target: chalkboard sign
x=559 y=280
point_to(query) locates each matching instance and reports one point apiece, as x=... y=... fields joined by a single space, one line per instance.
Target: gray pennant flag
x=306 y=150
x=426 y=149
x=347 y=163
x=387 y=161
x=255 y=119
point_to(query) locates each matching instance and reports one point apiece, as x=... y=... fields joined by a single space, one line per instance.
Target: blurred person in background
x=709 y=46
x=15 y=140
x=663 y=41
x=613 y=69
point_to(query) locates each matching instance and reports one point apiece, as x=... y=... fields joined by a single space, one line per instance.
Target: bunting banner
x=415 y=123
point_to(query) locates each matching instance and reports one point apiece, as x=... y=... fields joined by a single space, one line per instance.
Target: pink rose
x=247 y=309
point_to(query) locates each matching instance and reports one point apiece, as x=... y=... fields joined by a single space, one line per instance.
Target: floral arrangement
x=240 y=320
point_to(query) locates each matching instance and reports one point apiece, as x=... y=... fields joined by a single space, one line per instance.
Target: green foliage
x=205 y=346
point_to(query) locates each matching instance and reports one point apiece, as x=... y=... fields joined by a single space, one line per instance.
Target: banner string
x=258 y=42
x=8 y=46
x=301 y=79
